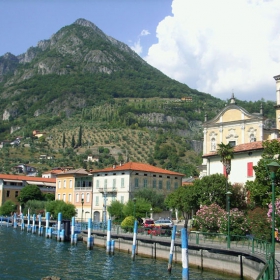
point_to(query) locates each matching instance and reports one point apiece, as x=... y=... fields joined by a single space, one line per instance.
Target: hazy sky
x=214 y=46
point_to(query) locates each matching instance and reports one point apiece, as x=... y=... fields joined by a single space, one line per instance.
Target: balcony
x=107 y=190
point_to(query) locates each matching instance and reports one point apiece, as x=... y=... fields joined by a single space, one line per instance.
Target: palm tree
x=225 y=151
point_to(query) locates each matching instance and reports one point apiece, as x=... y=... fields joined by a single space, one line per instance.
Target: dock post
x=135 y=230
x=89 y=241
x=172 y=248
x=108 y=245
x=59 y=219
x=185 y=254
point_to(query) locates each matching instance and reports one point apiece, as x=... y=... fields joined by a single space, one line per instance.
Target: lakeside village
x=91 y=192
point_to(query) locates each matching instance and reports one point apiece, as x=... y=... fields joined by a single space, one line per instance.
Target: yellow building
x=75 y=186
x=245 y=132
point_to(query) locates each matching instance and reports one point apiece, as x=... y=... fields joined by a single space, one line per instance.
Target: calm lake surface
x=27 y=256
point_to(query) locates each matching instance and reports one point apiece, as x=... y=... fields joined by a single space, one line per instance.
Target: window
x=122 y=182
x=114 y=183
x=64 y=197
x=16 y=194
x=160 y=185
x=59 y=184
x=250 y=170
x=70 y=197
x=145 y=183
x=176 y=185
x=87 y=197
x=232 y=143
x=70 y=184
x=154 y=184
x=122 y=199
x=77 y=197
x=8 y=193
x=136 y=182
x=213 y=144
x=58 y=196
x=97 y=200
x=64 y=184
x=97 y=184
x=105 y=184
x=168 y=185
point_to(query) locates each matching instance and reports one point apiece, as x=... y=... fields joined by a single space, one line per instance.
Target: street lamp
x=82 y=209
x=134 y=201
x=228 y=194
x=273 y=167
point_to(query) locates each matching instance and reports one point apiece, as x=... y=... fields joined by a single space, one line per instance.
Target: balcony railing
x=108 y=190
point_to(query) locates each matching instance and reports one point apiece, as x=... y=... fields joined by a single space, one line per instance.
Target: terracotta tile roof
x=80 y=171
x=27 y=178
x=136 y=166
x=57 y=171
x=252 y=146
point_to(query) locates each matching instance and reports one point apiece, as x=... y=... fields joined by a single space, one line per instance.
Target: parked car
x=164 y=223
x=149 y=223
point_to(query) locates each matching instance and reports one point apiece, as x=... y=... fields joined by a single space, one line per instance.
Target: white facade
x=108 y=187
x=241 y=166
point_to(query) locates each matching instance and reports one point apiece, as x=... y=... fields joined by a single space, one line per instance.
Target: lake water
x=27 y=256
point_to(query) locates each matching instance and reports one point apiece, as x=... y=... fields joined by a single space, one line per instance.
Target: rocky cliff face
x=81 y=46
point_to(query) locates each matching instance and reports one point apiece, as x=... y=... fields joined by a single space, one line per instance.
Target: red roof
x=27 y=178
x=252 y=146
x=136 y=166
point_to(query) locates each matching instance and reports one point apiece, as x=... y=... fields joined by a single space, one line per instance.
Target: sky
x=217 y=47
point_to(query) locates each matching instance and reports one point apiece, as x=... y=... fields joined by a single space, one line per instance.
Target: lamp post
x=82 y=209
x=273 y=167
x=228 y=194
x=134 y=203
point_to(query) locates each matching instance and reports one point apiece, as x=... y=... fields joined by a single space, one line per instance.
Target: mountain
x=78 y=67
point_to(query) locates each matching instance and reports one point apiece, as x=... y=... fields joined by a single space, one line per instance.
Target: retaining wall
x=212 y=260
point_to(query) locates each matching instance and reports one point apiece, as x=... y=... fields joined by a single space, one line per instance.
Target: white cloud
x=137 y=47
x=144 y=32
x=218 y=46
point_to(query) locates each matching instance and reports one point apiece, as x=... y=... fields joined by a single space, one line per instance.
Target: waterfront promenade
x=243 y=249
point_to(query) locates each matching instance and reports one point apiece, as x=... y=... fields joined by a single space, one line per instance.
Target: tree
x=63 y=140
x=30 y=192
x=73 y=143
x=116 y=210
x=59 y=206
x=49 y=196
x=142 y=206
x=259 y=191
x=156 y=199
x=260 y=225
x=225 y=151
x=238 y=223
x=35 y=207
x=80 y=137
x=208 y=218
x=184 y=199
x=212 y=189
x=7 y=208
